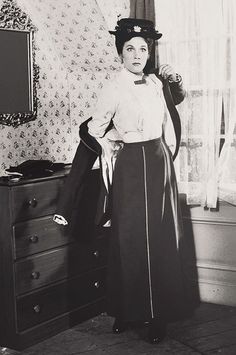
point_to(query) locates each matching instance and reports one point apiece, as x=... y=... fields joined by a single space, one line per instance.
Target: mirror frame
x=13 y=18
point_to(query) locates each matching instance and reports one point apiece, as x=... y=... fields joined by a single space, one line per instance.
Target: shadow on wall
x=188 y=255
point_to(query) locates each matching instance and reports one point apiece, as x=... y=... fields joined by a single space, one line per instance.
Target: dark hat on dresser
x=131 y=27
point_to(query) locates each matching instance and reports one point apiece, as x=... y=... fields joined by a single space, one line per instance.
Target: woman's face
x=135 y=54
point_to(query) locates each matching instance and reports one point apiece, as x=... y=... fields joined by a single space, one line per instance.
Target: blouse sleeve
x=104 y=111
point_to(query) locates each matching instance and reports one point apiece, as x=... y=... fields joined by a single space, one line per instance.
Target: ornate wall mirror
x=18 y=71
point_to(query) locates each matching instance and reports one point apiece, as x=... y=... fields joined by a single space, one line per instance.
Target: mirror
x=18 y=71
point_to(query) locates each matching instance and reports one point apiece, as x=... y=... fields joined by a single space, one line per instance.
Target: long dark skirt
x=144 y=269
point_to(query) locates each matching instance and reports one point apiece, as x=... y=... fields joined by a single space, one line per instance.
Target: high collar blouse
x=137 y=110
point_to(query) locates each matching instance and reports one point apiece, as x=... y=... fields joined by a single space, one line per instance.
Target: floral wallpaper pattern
x=75 y=54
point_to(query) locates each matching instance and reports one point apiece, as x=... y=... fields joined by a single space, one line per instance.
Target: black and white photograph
x=117 y=177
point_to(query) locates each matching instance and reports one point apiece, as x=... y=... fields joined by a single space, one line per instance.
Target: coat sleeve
x=73 y=188
x=177 y=91
x=170 y=103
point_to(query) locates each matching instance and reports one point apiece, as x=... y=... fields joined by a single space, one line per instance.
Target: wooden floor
x=212 y=330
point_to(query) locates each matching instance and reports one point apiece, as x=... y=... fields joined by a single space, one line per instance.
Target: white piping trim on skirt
x=147 y=231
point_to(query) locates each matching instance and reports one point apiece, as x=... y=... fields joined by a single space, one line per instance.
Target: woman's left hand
x=167 y=72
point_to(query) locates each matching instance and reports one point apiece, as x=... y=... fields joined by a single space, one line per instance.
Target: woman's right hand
x=167 y=72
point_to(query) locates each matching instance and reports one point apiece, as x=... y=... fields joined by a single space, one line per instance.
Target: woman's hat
x=132 y=27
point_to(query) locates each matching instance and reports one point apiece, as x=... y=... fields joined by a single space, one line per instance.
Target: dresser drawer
x=38 y=235
x=35 y=200
x=48 y=303
x=58 y=264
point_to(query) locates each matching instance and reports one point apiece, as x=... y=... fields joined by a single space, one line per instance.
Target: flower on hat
x=137 y=29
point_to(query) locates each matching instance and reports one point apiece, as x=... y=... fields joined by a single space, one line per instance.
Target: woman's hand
x=167 y=72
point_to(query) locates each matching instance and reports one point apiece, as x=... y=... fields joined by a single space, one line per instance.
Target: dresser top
x=7 y=181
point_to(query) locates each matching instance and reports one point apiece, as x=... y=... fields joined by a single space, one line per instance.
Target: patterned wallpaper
x=75 y=54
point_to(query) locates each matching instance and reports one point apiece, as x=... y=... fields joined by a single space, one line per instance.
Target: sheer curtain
x=199 y=42
x=227 y=161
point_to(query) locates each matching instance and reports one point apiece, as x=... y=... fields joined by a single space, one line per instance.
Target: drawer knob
x=33 y=202
x=96 y=253
x=97 y=284
x=37 y=308
x=35 y=275
x=33 y=239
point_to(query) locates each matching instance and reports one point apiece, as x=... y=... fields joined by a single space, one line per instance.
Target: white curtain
x=198 y=40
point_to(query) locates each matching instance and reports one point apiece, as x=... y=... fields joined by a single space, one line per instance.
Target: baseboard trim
x=216 y=266
x=217 y=293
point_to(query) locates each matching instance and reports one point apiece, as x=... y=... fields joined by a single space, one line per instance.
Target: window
x=199 y=41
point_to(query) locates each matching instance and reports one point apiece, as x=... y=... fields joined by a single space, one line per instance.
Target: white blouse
x=137 y=110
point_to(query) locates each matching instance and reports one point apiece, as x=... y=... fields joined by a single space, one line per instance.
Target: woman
x=144 y=270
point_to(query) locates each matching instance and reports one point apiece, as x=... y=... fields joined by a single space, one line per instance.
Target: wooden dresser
x=50 y=278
